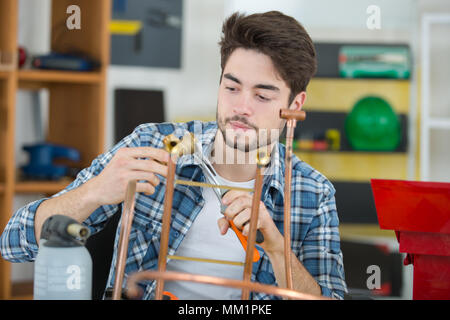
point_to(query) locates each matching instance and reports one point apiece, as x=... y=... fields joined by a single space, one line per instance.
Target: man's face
x=251 y=94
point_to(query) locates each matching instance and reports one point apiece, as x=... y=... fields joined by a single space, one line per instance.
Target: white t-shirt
x=203 y=240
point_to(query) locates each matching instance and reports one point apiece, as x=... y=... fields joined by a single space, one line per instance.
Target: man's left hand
x=239 y=206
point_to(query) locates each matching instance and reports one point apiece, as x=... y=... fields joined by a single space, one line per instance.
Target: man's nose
x=244 y=104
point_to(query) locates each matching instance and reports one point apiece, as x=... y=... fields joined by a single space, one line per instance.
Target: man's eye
x=262 y=97
x=230 y=89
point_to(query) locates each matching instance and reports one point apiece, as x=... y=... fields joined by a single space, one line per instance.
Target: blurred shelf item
x=22 y=290
x=357 y=166
x=47 y=187
x=350 y=231
x=59 y=76
x=340 y=94
x=76 y=105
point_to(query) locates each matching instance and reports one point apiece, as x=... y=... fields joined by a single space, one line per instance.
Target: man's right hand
x=109 y=186
x=128 y=164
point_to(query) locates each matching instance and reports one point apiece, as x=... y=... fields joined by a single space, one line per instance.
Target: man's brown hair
x=280 y=37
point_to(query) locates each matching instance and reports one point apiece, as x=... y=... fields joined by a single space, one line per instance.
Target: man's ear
x=298 y=101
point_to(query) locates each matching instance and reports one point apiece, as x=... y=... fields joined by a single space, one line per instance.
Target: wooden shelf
x=59 y=76
x=351 y=231
x=4 y=74
x=340 y=94
x=47 y=187
x=76 y=104
x=357 y=166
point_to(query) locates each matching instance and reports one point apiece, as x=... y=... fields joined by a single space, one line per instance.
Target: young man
x=267 y=62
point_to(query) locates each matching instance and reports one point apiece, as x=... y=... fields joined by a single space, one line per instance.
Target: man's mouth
x=236 y=125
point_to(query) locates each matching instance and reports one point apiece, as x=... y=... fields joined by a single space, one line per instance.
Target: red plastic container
x=419 y=212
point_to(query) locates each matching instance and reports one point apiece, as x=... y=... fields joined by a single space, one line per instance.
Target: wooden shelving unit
x=340 y=95
x=76 y=105
x=45 y=76
x=357 y=166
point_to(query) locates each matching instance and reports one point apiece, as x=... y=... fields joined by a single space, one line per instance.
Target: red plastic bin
x=419 y=212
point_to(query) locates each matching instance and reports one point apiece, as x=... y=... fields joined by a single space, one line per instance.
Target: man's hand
x=239 y=206
x=109 y=186
x=127 y=164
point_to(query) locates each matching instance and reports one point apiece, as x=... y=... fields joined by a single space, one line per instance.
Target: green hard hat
x=372 y=125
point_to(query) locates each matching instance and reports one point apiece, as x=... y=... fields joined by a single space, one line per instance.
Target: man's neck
x=232 y=164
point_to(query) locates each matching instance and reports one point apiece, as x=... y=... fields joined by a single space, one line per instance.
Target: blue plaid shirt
x=314 y=220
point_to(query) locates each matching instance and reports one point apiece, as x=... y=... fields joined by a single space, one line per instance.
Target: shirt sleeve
x=322 y=255
x=18 y=241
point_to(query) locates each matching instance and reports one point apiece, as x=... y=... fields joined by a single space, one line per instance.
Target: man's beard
x=261 y=138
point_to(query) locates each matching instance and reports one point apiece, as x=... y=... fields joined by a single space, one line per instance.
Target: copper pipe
x=164 y=243
x=205 y=260
x=133 y=289
x=299 y=115
x=262 y=160
x=127 y=219
x=175 y=147
x=210 y=185
x=292 y=116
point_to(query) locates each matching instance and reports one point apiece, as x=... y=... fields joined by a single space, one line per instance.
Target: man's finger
x=246 y=228
x=145 y=187
x=231 y=195
x=223 y=225
x=149 y=177
x=242 y=218
x=237 y=205
x=148 y=152
x=148 y=165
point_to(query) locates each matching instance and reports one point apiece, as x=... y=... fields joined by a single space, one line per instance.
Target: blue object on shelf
x=69 y=62
x=41 y=160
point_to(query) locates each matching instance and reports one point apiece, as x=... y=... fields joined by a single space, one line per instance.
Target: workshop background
x=159 y=61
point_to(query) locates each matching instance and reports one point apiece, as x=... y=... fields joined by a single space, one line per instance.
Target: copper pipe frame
x=127 y=220
x=164 y=243
x=133 y=289
x=251 y=240
x=292 y=116
x=175 y=147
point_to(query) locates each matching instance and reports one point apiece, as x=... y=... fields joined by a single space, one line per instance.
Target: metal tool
x=63 y=266
x=211 y=176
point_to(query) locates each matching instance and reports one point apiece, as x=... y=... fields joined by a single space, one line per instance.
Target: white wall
x=439 y=85
x=343 y=20
x=192 y=90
